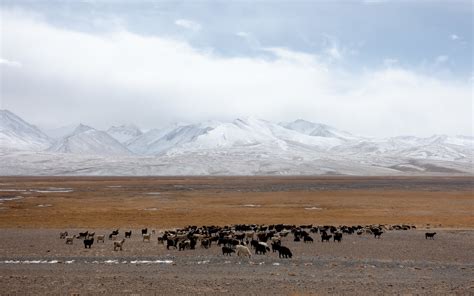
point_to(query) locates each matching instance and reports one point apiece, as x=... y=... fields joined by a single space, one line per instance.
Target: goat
x=83 y=234
x=243 y=250
x=338 y=236
x=430 y=235
x=88 y=242
x=261 y=249
x=62 y=235
x=186 y=244
x=205 y=243
x=128 y=234
x=171 y=243
x=276 y=246
x=101 y=238
x=308 y=239
x=284 y=252
x=113 y=234
x=377 y=232
x=144 y=231
x=147 y=237
x=227 y=251
x=325 y=236
x=118 y=245
x=70 y=240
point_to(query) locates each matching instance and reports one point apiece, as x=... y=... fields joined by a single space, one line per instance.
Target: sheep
x=88 y=242
x=70 y=240
x=147 y=237
x=430 y=235
x=128 y=234
x=243 y=250
x=101 y=238
x=118 y=245
x=227 y=251
x=284 y=252
x=63 y=235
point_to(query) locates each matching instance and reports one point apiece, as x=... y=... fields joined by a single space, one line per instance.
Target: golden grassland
x=121 y=202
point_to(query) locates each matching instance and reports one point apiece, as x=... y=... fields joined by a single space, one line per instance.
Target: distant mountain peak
x=16 y=133
x=81 y=128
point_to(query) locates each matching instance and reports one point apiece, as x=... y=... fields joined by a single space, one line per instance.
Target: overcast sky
x=373 y=67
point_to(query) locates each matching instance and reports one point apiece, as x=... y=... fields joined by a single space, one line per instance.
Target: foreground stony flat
x=36 y=261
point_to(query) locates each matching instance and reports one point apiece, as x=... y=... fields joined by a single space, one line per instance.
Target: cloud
x=242 y=34
x=389 y=62
x=109 y=78
x=441 y=59
x=188 y=24
x=454 y=37
x=6 y=62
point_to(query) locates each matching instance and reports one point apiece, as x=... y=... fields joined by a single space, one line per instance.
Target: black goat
x=115 y=232
x=261 y=249
x=284 y=252
x=88 y=243
x=144 y=231
x=83 y=234
x=430 y=235
x=128 y=234
x=171 y=243
x=325 y=236
x=226 y=251
x=377 y=233
x=338 y=236
x=308 y=239
x=275 y=246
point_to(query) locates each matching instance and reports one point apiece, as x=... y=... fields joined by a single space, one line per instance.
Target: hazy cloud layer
x=118 y=77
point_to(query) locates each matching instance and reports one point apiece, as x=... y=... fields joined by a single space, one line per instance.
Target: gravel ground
x=36 y=261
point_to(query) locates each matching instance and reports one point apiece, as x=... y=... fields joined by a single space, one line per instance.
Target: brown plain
x=163 y=202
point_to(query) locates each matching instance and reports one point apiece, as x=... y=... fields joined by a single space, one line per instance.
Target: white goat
x=101 y=238
x=147 y=237
x=70 y=239
x=118 y=245
x=243 y=250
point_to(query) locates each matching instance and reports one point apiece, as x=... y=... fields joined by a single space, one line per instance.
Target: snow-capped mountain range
x=242 y=147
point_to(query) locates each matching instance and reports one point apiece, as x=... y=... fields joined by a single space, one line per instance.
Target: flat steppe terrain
x=33 y=260
x=90 y=202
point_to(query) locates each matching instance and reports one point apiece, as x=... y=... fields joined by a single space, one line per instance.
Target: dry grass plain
x=33 y=210
x=163 y=202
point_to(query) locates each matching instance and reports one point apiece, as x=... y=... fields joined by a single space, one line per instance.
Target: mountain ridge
x=250 y=145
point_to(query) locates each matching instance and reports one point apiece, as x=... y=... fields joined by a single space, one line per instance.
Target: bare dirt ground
x=33 y=260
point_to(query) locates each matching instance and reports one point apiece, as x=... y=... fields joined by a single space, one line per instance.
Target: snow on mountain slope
x=60 y=132
x=149 y=143
x=245 y=146
x=316 y=129
x=243 y=133
x=17 y=134
x=124 y=133
x=89 y=141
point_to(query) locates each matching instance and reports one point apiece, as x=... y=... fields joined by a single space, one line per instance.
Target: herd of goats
x=238 y=238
